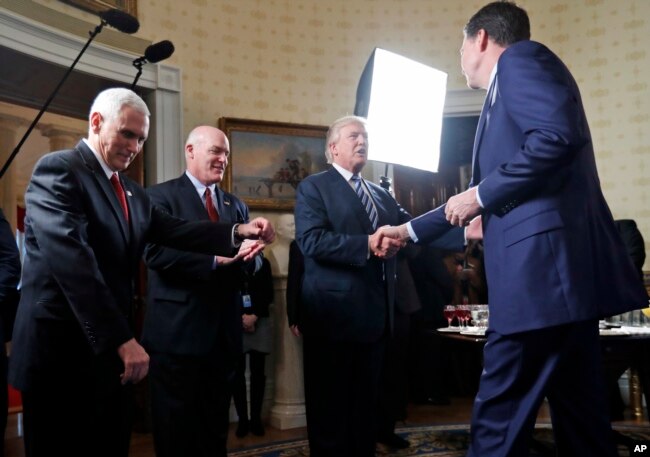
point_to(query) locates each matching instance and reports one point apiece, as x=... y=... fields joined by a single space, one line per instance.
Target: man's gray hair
x=110 y=102
x=334 y=131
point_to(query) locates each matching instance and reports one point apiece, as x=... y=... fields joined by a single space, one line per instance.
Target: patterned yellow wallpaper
x=300 y=60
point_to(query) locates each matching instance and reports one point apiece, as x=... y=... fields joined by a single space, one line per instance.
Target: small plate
x=477 y=332
x=449 y=329
x=613 y=332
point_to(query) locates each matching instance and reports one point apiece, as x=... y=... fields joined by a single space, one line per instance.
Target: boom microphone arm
x=153 y=54
x=115 y=18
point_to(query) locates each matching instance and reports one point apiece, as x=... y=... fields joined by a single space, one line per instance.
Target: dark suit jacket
x=294 y=283
x=433 y=283
x=407 y=300
x=9 y=278
x=633 y=241
x=344 y=294
x=190 y=306
x=552 y=252
x=80 y=263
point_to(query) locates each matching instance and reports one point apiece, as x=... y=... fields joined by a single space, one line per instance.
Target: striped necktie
x=365 y=200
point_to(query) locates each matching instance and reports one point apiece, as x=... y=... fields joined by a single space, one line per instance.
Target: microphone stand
x=93 y=34
x=138 y=63
x=384 y=181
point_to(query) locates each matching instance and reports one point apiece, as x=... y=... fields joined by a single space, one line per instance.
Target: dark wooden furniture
x=619 y=352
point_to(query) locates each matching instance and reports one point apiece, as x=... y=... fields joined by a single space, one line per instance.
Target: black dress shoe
x=393 y=440
x=242 y=429
x=257 y=428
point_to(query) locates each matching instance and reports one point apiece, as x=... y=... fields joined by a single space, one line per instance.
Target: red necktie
x=212 y=212
x=121 y=196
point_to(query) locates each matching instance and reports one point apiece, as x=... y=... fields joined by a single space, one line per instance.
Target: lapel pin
x=226 y=202
x=128 y=192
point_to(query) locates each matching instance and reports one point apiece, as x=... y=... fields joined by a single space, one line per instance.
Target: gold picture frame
x=269 y=159
x=98 y=6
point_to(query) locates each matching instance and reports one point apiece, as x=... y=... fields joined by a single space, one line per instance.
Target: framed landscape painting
x=269 y=159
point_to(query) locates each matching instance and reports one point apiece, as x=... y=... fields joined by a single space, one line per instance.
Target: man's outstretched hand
x=257 y=229
x=462 y=208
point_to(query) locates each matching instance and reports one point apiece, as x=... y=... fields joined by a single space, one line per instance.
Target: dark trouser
x=560 y=363
x=341 y=389
x=429 y=365
x=4 y=397
x=70 y=416
x=190 y=400
x=393 y=384
x=257 y=384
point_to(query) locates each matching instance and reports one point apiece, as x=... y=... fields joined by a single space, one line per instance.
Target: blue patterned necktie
x=365 y=201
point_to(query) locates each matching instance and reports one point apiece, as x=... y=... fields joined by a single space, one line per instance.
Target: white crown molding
x=464 y=102
x=53 y=45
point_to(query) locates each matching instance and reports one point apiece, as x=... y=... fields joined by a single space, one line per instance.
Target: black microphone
x=120 y=20
x=153 y=54
x=159 y=51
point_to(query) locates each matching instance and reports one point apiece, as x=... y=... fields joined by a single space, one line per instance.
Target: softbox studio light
x=403 y=101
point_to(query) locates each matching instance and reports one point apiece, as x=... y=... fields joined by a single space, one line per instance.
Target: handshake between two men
x=462 y=210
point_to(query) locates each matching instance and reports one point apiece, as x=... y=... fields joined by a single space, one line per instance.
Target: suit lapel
x=226 y=207
x=105 y=187
x=345 y=190
x=379 y=205
x=487 y=103
x=192 y=200
x=233 y=210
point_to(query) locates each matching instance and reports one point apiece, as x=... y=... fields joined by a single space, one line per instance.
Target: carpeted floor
x=438 y=441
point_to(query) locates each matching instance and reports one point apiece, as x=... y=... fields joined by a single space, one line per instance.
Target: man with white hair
x=74 y=355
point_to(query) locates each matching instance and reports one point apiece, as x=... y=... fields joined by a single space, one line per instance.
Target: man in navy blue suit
x=347 y=294
x=554 y=261
x=193 y=325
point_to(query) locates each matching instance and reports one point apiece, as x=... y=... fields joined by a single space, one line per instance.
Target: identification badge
x=246 y=301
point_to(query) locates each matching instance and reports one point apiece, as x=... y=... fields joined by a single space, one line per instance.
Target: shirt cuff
x=478 y=198
x=411 y=232
x=233 y=239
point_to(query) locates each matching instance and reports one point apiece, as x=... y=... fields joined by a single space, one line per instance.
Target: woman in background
x=257 y=296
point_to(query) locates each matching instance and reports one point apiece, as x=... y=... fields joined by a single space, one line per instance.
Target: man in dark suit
x=347 y=294
x=428 y=362
x=9 y=295
x=393 y=382
x=295 y=273
x=74 y=353
x=554 y=261
x=193 y=326
x=634 y=243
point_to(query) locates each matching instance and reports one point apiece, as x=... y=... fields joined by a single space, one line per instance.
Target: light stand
x=384 y=181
